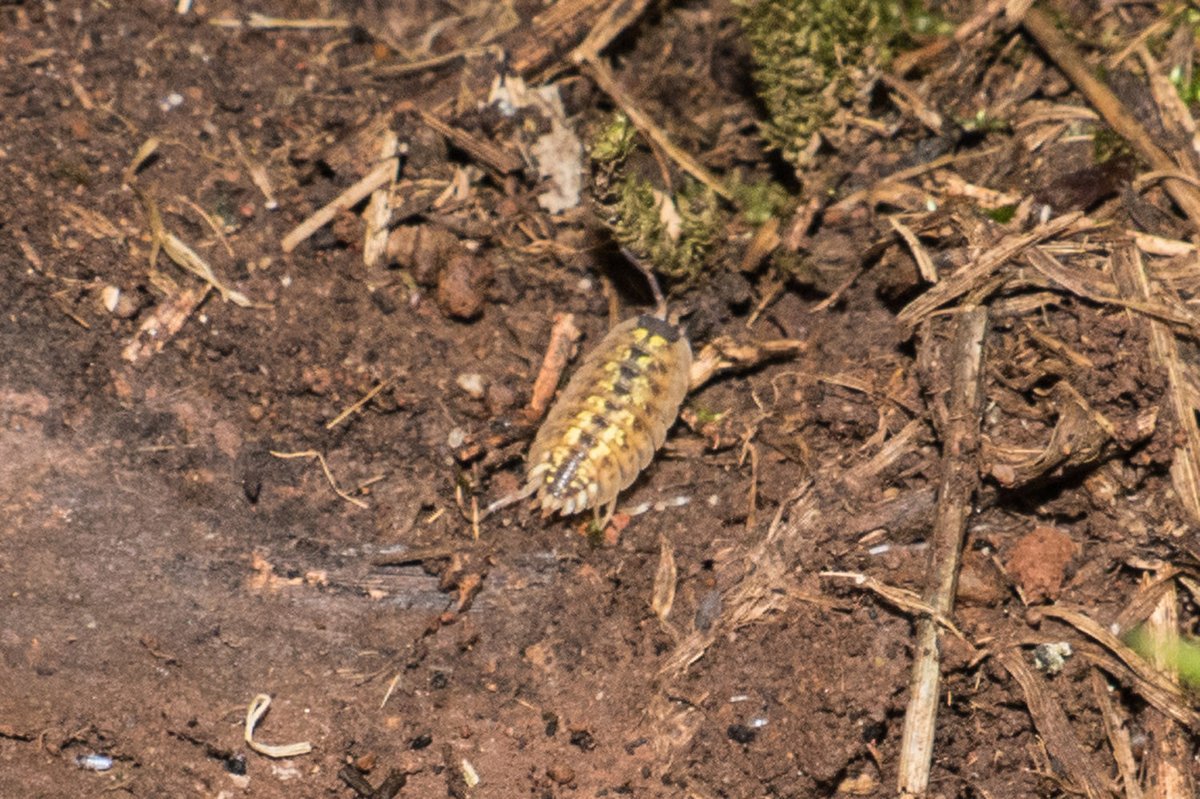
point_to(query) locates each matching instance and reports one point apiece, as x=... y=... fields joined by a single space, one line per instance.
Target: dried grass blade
x=1055 y=729
x=977 y=273
x=1133 y=282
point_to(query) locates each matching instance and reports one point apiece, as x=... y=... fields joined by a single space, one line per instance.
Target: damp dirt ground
x=188 y=520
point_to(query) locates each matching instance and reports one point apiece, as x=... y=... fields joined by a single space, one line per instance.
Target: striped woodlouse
x=609 y=421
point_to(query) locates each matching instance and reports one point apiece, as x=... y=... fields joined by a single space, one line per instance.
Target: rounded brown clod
x=460 y=286
x=423 y=250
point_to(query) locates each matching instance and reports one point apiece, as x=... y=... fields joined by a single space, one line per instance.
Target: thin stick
x=612 y=21
x=212 y=223
x=1116 y=727
x=1155 y=687
x=1114 y=112
x=370 y=395
x=381 y=174
x=902 y=175
x=480 y=149
x=259 y=21
x=977 y=272
x=901 y=598
x=563 y=336
x=960 y=477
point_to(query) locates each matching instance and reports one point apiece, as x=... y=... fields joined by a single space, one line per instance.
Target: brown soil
x=161 y=564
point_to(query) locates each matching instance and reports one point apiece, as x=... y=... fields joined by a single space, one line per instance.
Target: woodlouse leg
x=609 y=510
x=659 y=300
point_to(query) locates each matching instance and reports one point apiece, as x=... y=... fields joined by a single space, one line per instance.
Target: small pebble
x=172 y=100
x=456 y=438
x=121 y=304
x=472 y=383
x=110 y=296
x=562 y=774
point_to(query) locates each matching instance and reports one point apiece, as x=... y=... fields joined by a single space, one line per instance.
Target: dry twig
x=1159 y=691
x=479 y=149
x=976 y=274
x=1114 y=112
x=358 y=405
x=563 y=336
x=1116 y=727
x=598 y=70
x=960 y=478
x=905 y=600
x=381 y=175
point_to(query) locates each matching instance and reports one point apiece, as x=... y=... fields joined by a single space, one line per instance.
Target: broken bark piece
x=422 y=249
x=162 y=324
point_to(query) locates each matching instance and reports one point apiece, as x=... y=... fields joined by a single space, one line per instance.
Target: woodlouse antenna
x=526 y=491
x=660 y=301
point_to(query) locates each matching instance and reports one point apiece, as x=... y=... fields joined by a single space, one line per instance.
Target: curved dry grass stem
x=254 y=713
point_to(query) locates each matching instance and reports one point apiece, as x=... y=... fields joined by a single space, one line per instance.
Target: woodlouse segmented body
x=611 y=418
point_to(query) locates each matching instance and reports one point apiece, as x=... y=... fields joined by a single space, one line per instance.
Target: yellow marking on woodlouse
x=609 y=420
